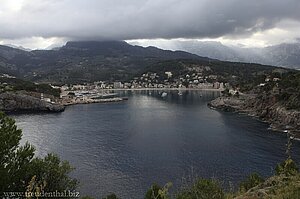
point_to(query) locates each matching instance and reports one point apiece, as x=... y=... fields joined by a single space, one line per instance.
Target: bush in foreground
x=202 y=189
x=20 y=171
x=158 y=192
x=250 y=182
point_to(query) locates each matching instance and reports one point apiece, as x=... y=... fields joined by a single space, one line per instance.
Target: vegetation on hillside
x=235 y=73
x=285 y=90
x=79 y=62
x=290 y=91
x=88 y=61
x=14 y=84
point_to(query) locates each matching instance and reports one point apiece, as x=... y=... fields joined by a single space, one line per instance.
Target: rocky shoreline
x=20 y=102
x=263 y=107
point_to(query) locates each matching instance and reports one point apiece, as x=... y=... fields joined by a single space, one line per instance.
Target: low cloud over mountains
x=144 y=19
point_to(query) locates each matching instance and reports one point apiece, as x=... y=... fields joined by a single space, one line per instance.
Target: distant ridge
x=285 y=55
x=85 y=61
x=18 y=47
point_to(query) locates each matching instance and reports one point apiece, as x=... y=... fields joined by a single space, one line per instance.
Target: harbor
x=88 y=97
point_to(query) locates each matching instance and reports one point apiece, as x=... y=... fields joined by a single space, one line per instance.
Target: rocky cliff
x=264 y=107
x=20 y=101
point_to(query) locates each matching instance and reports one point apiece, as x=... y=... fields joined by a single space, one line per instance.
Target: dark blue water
x=125 y=147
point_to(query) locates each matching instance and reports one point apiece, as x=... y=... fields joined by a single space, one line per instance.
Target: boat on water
x=180 y=93
x=164 y=94
x=297 y=139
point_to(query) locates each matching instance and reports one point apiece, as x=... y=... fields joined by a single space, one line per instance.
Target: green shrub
x=288 y=167
x=20 y=171
x=54 y=172
x=111 y=196
x=250 y=182
x=158 y=192
x=202 y=189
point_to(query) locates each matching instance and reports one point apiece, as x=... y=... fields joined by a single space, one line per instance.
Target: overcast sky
x=43 y=23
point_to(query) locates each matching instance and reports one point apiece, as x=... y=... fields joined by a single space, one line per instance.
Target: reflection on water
x=125 y=147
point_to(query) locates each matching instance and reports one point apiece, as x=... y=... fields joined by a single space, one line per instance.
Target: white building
x=118 y=85
x=169 y=74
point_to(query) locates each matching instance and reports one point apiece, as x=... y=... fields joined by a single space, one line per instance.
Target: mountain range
x=88 y=61
x=84 y=61
x=285 y=54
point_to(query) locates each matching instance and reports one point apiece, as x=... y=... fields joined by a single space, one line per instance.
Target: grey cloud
x=144 y=19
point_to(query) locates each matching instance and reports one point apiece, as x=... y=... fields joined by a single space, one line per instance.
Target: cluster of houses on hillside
x=100 y=89
x=269 y=79
x=153 y=80
x=194 y=80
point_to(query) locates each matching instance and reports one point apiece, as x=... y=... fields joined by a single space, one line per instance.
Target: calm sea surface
x=125 y=147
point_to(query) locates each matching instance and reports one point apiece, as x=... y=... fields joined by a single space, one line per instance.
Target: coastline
x=71 y=102
x=161 y=89
x=279 y=119
x=20 y=102
x=119 y=99
x=109 y=100
x=14 y=102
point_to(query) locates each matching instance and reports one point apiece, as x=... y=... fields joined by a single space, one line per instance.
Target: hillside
x=236 y=73
x=84 y=61
x=19 y=95
x=285 y=55
x=88 y=61
x=14 y=84
x=273 y=98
